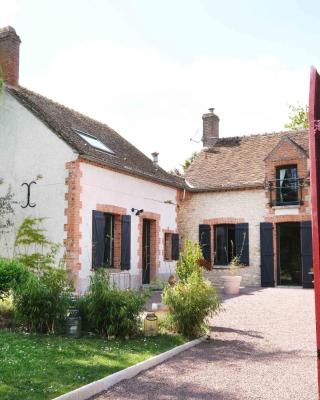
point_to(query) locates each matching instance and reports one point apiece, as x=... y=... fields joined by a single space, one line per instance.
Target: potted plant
x=231 y=282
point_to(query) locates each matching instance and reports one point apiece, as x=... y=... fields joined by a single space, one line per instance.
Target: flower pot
x=231 y=284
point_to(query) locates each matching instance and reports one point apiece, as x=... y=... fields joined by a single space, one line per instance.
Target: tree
x=299 y=117
x=189 y=161
x=6 y=210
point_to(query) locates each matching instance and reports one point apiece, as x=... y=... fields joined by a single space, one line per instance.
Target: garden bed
x=40 y=367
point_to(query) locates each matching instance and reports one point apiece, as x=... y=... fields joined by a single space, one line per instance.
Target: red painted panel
x=314 y=137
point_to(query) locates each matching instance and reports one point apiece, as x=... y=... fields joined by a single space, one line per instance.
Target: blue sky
x=151 y=68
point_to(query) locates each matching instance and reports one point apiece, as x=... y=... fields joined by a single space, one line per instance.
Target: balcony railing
x=286 y=192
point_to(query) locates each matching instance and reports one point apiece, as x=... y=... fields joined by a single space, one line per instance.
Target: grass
x=40 y=367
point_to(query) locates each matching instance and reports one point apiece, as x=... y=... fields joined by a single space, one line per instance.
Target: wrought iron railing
x=286 y=191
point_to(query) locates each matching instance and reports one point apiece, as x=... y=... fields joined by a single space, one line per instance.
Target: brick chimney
x=210 y=128
x=9 y=55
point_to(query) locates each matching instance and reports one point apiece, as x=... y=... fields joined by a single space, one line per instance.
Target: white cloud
x=9 y=10
x=157 y=103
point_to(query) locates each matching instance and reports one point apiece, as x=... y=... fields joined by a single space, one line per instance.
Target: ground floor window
x=229 y=240
x=225 y=242
x=111 y=240
x=171 y=246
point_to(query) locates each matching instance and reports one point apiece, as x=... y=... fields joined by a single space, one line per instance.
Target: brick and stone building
x=250 y=195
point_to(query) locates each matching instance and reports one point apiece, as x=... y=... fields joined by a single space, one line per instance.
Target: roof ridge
x=285 y=132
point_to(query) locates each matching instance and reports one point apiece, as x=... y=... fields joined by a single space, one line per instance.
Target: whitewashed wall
x=103 y=186
x=28 y=149
x=246 y=204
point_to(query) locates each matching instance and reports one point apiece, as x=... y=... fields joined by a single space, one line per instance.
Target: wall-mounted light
x=137 y=211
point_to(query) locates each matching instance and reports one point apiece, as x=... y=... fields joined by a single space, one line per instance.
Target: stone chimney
x=210 y=128
x=9 y=55
x=155 y=158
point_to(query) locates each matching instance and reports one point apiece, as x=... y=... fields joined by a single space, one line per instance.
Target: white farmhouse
x=104 y=201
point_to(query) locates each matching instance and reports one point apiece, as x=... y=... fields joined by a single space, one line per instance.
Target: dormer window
x=287 y=185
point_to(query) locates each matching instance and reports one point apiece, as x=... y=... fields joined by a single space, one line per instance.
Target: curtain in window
x=281 y=182
x=294 y=179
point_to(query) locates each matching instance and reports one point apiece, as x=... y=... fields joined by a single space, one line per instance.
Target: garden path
x=262 y=347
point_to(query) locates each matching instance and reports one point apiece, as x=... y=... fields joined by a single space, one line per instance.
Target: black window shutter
x=205 y=241
x=98 y=238
x=306 y=253
x=242 y=242
x=267 y=255
x=125 y=241
x=175 y=246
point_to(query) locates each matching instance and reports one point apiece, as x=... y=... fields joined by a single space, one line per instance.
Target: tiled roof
x=62 y=121
x=238 y=162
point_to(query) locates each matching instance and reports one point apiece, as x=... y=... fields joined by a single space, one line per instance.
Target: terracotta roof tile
x=62 y=121
x=238 y=162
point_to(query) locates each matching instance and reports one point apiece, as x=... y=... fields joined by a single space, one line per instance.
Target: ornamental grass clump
x=12 y=274
x=110 y=311
x=41 y=302
x=192 y=299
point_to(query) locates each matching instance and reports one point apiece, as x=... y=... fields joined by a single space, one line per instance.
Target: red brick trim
x=217 y=221
x=287 y=218
x=72 y=227
x=229 y=220
x=154 y=241
x=164 y=231
x=287 y=153
x=280 y=219
x=117 y=212
x=111 y=209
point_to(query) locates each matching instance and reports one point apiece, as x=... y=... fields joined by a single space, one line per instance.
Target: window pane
x=93 y=141
x=231 y=242
x=287 y=184
x=109 y=240
x=221 y=246
x=167 y=246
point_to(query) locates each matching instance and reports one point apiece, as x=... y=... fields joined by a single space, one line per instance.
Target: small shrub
x=41 y=303
x=192 y=298
x=109 y=311
x=189 y=261
x=6 y=307
x=12 y=274
x=189 y=303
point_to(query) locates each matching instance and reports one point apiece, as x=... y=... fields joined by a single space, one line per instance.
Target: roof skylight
x=93 y=141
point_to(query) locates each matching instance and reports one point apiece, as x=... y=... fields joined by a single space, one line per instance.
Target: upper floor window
x=287 y=184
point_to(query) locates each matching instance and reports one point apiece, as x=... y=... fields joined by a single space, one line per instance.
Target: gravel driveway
x=262 y=347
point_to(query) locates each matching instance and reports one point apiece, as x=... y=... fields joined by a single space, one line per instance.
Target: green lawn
x=35 y=367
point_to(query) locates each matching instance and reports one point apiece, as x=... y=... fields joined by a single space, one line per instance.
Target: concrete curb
x=93 y=388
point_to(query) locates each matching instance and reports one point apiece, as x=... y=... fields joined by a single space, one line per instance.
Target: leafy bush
x=189 y=304
x=41 y=302
x=12 y=274
x=109 y=311
x=192 y=298
x=189 y=261
x=6 y=307
x=32 y=247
